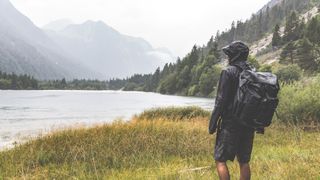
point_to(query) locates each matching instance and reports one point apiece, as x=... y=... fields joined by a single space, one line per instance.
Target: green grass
x=157 y=148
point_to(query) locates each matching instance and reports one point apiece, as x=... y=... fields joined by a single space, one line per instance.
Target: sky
x=174 y=24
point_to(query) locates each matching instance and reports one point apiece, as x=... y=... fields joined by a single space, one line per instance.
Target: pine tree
x=155 y=79
x=301 y=29
x=216 y=51
x=276 y=39
x=267 y=19
x=194 y=56
x=260 y=24
x=287 y=56
x=291 y=31
x=313 y=32
x=210 y=42
x=14 y=82
x=233 y=32
x=306 y=57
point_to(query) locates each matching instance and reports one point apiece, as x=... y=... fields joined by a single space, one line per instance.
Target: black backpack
x=256 y=99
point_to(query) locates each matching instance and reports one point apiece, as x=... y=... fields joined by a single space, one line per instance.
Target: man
x=233 y=139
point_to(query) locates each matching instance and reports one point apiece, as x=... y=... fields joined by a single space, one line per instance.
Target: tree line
x=17 y=82
x=195 y=75
x=25 y=82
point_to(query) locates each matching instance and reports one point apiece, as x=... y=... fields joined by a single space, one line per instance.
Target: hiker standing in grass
x=233 y=139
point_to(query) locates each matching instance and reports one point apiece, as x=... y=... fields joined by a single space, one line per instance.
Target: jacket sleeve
x=220 y=103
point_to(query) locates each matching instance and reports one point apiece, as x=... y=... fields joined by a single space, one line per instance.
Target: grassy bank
x=153 y=146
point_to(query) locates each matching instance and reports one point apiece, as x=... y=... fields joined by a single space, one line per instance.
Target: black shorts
x=234 y=141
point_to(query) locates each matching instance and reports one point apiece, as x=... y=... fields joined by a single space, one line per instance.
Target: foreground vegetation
x=169 y=143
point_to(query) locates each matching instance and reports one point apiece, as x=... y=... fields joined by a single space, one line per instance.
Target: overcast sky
x=175 y=24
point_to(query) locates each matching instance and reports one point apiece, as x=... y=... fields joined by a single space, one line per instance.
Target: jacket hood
x=236 y=51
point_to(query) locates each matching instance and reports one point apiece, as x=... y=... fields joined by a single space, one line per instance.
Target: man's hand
x=214 y=122
x=212 y=131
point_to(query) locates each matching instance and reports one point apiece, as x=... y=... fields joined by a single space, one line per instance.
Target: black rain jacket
x=227 y=88
x=228 y=83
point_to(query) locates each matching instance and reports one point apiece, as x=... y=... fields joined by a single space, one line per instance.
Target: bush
x=265 y=68
x=130 y=86
x=174 y=113
x=193 y=90
x=253 y=62
x=289 y=73
x=299 y=102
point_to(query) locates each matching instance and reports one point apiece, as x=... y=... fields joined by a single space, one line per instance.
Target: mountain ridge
x=26 y=49
x=94 y=50
x=107 y=51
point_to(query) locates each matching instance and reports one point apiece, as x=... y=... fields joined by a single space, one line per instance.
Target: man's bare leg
x=223 y=171
x=245 y=173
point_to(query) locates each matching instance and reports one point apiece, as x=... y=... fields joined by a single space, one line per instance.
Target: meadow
x=165 y=143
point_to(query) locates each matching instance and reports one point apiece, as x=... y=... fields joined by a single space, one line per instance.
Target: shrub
x=193 y=90
x=253 y=62
x=299 y=102
x=265 y=68
x=289 y=73
x=130 y=86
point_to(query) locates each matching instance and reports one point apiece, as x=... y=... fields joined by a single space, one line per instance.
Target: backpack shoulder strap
x=239 y=67
x=247 y=67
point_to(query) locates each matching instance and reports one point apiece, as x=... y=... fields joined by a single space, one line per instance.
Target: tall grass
x=174 y=113
x=157 y=148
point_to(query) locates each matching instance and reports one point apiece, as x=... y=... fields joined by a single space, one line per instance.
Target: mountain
x=107 y=51
x=26 y=49
x=58 y=24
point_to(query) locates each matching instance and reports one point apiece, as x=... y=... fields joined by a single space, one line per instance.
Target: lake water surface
x=25 y=114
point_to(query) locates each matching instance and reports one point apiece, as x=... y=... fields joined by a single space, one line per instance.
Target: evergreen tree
x=14 y=82
x=291 y=31
x=155 y=79
x=288 y=56
x=260 y=24
x=215 y=51
x=307 y=55
x=267 y=20
x=233 y=32
x=313 y=31
x=184 y=78
x=301 y=29
x=194 y=56
x=276 y=39
x=63 y=83
x=210 y=42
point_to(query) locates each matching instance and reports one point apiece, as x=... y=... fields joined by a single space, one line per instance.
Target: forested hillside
x=198 y=72
x=301 y=43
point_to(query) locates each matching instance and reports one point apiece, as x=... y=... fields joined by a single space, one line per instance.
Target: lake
x=25 y=114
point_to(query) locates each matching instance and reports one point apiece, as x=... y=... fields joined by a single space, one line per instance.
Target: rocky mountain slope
x=26 y=49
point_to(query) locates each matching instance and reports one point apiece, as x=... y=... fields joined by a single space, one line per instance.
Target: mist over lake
x=29 y=113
